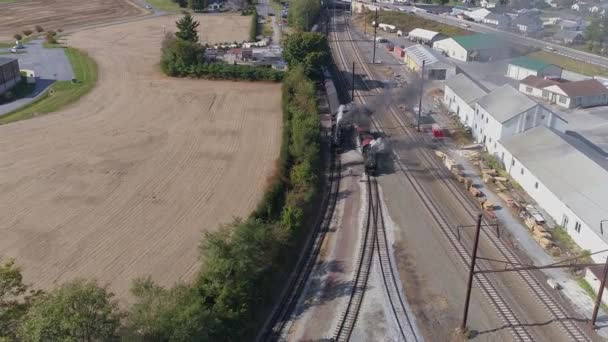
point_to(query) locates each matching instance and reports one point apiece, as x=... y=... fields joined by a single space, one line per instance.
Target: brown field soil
x=123 y=183
x=61 y=14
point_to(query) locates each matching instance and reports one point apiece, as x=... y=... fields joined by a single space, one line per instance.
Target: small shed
x=568 y=37
x=580 y=94
x=436 y=68
x=522 y=67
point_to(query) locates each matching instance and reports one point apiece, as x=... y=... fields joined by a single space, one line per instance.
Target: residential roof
x=465 y=88
x=479 y=13
x=567 y=34
x=538 y=82
x=6 y=60
x=583 y=88
x=527 y=20
x=423 y=34
x=505 y=102
x=569 y=169
x=497 y=16
x=529 y=63
x=480 y=41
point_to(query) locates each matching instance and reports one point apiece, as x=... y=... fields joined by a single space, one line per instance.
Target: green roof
x=529 y=63
x=480 y=41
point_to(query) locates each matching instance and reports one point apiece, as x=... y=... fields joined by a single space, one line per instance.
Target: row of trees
x=182 y=56
x=597 y=35
x=303 y=14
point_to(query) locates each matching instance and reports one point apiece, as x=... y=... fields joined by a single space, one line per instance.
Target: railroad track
x=554 y=308
x=519 y=332
x=277 y=326
x=362 y=267
x=374 y=241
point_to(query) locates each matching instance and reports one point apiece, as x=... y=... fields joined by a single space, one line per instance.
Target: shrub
x=39 y=29
x=253 y=28
x=17 y=36
x=27 y=32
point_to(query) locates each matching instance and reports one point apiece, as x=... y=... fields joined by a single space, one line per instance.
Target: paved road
x=510 y=37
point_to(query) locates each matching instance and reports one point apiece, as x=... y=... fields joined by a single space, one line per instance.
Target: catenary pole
x=421 y=95
x=463 y=326
x=352 y=91
x=375 y=27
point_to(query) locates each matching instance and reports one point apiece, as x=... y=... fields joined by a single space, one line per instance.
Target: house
x=424 y=36
x=475 y=47
x=487 y=3
x=579 y=94
x=504 y=112
x=522 y=67
x=552 y=3
x=535 y=86
x=460 y=95
x=595 y=9
x=565 y=177
x=9 y=74
x=568 y=37
x=580 y=7
x=214 y=6
x=435 y=68
x=456 y=10
x=498 y=20
x=571 y=25
x=478 y=14
x=528 y=24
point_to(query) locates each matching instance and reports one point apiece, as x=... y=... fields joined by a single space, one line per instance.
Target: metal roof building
x=522 y=67
x=505 y=103
x=425 y=36
x=9 y=73
x=435 y=65
x=567 y=179
x=481 y=47
x=465 y=88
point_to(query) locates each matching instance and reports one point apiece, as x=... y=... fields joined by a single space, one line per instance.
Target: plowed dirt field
x=61 y=14
x=123 y=183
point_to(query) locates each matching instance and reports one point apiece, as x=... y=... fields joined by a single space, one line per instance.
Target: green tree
x=594 y=33
x=199 y=5
x=178 y=54
x=187 y=29
x=303 y=14
x=15 y=299
x=310 y=49
x=175 y=314
x=79 y=310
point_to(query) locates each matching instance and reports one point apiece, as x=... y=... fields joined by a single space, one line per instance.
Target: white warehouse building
x=566 y=177
x=460 y=95
x=505 y=112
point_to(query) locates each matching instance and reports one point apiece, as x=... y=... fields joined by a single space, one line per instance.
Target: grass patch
x=48 y=45
x=589 y=291
x=6 y=1
x=4 y=45
x=165 y=5
x=407 y=22
x=570 y=64
x=267 y=30
x=61 y=93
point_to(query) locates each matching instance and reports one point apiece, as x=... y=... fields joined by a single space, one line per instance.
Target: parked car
x=550 y=48
x=463 y=25
x=13 y=50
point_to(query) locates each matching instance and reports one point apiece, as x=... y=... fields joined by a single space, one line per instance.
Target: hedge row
x=225 y=71
x=253 y=29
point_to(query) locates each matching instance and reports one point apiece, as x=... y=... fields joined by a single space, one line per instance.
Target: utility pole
x=463 y=326
x=375 y=27
x=600 y=292
x=421 y=95
x=365 y=25
x=352 y=93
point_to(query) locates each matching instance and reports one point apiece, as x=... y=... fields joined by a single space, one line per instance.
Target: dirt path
x=61 y=14
x=124 y=183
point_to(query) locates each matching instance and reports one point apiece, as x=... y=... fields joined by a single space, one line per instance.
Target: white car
x=149 y=7
x=13 y=50
x=550 y=48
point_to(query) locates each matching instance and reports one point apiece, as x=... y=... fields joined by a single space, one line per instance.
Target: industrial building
x=566 y=177
x=504 y=112
x=9 y=74
x=522 y=67
x=460 y=95
x=475 y=47
x=424 y=36
x=435 y=68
